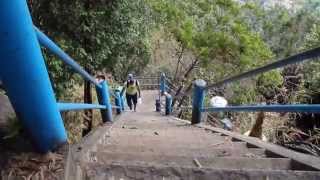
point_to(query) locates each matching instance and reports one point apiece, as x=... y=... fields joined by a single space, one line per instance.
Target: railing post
x=158 y=105
x=198 y=99
x=168 y=104
x=122 y=102
x=118 y=101
x=25 y=77
x=162 y=84
x=104 y=99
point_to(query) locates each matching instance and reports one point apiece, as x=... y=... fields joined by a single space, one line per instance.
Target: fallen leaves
x=31 y=166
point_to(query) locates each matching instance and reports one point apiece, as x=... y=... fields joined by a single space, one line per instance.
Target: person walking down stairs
x=132 y=88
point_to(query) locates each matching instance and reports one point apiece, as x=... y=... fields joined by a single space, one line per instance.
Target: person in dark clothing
x=133 y=92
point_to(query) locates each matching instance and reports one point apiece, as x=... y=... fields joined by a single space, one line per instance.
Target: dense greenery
x=215 y=34
x=222 y=41
x=227 y=37
x=209 y=39
x=109 y=36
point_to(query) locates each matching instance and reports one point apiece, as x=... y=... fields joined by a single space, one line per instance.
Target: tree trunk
x=87 y=122
x=178 y=63
x=179 y=91
x=88 y=113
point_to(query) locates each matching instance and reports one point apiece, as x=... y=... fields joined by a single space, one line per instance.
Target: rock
x=6 y=110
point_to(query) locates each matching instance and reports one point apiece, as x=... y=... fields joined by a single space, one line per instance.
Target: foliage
x=243 y=94
x=222 y=41
x=215 y=34
x=281 y=28
x=268 y=84
x=100 y=35
x=311 y=73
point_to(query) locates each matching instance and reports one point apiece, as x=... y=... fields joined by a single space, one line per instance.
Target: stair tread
x=133 y=171
x=147 y=145
x=221 y=151
x=190 y=161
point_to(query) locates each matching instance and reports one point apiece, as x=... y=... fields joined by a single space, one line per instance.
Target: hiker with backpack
x=133 y=92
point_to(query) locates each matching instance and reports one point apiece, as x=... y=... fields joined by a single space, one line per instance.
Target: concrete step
x=237 y=150
x=192 y=161
x=168 y=141
x=157 y=137
x=153 y=146
x=96 y=171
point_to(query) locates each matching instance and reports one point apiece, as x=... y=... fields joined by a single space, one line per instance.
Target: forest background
x=187 y=39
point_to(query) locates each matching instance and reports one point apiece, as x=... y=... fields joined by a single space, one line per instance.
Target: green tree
x=221 y=41
x=100 y=35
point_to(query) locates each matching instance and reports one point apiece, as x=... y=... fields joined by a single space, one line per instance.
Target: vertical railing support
x=158 y=105
x=122 y=102
x=104 y=99
x=118 y=101
x=168 y=104
x=198 y=99
x=162 y=84
x=25 y=77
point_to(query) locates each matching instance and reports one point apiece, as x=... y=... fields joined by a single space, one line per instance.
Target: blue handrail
x=314 y=108
x=50 y=45
x=78 y=106
x=200 y=89
x=25 y=77
x=26 y=80
x=307 y=55
x=199 y=99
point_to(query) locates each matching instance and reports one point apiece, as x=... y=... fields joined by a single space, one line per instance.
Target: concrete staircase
x=147 y=145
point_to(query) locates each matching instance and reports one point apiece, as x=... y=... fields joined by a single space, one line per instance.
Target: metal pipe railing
x=200 y=89
x=314 y=108
x=307 y=55
x=25 y=77
x=50 y=45
x=104 y=99
x=78 y=106
x=102 y=88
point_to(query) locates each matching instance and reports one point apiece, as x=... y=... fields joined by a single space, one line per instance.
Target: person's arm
x=138 y=86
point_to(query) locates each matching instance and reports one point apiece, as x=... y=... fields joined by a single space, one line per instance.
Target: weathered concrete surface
x=119 y=171
x=147 y=145
x=6 y=110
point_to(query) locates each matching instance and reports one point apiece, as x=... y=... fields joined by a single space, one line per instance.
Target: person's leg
x=129 y=101
x=135 y=101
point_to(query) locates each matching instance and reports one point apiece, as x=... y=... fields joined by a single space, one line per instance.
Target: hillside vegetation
x=186 y=39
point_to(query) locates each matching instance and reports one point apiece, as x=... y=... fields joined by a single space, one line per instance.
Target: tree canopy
x=100 y=35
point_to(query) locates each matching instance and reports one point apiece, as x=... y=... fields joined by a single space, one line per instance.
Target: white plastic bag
x=140 y=100
x=227 y=124
x=218 y=101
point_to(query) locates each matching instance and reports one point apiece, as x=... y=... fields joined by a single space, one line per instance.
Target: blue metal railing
x=200 y=89
x=102 y=88
x=315 y=108
x=50 y=45
x=164 y=88
x=298 y=58
x=25 y=78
